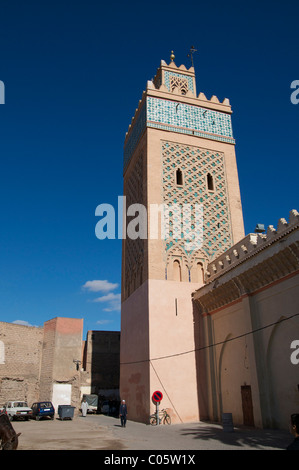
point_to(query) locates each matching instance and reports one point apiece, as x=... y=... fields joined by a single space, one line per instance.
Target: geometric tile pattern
x=138 y=127
x=134 y=248
x=181 y=118
x=196 y=164
x=188 y=117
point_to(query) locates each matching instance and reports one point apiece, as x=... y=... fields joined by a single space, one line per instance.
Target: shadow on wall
x=201 y=370
x=101 y=360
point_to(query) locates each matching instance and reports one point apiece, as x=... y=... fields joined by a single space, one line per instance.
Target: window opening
x=177 y=271
x=210 y=182
x=200 y=273
x=179 y=177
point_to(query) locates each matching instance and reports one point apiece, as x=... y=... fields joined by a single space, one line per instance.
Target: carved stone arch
x=200 y=254
x=177 y=254
x=198 y=271
x=177 y=270
x=280 y=372
x=177 y=250
x=178 y=85
x=221 y=385
x=232 y=368
x=198 y=267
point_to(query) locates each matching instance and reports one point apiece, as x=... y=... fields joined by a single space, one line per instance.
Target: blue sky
x=74 y=72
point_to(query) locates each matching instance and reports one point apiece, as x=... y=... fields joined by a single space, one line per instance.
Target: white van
x=17 y=410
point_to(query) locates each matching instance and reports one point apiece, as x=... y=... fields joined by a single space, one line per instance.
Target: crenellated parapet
x=256 y=262
x=181 y=81
x=170 y=103
x=249 y=246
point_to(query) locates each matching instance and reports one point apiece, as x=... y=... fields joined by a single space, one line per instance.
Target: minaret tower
x=180 y=165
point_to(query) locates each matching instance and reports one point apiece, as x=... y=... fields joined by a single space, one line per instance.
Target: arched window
x=210 y=182
x=2 y=353
x=180 y=83
x=200 y=273
x=177 y=271
x=179 y=177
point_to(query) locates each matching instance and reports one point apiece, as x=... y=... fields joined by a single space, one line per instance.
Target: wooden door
x=247 y=406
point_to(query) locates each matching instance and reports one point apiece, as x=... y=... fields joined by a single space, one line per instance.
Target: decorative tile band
x=206 y=135
x=189 y=117
x=136 y=132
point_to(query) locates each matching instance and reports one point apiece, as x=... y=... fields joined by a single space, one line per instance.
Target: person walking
x=123 y=413
x=84 y=407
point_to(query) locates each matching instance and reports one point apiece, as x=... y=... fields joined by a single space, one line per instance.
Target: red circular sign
x=157 y=396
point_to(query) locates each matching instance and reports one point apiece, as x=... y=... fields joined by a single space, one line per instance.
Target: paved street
x=99 y=432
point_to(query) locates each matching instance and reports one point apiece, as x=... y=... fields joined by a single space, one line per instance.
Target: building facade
x=179 y=163
x=54 y=363
x=247 y=326
x=20 y=359
x=209 y=316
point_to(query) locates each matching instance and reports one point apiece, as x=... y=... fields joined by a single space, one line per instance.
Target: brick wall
x=62 y=344
x=20 y=359
x=33 y=360
x=48 y=349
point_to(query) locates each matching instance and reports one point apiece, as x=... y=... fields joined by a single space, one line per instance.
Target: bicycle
x=163 y=418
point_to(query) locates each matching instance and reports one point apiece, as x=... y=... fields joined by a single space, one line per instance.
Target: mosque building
x=208 y=315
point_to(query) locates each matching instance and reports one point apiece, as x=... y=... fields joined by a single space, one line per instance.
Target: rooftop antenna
x=192 y=50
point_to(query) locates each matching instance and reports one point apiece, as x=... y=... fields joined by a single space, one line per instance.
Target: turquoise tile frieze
x=178 y=117
x=135 y=134
x=189 y=117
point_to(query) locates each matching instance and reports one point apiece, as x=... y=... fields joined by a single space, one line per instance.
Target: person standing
x=84 y=407
x=294 y=425
x=123 y=413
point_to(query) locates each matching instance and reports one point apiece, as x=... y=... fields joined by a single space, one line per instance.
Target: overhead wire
x=214 y=344
x=203 y=348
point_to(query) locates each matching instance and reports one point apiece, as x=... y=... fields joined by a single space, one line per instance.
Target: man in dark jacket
x=123 y=413
x=295 y=430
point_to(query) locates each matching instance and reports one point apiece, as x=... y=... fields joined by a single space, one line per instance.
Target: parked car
x=43 y=409
x=17 y=410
